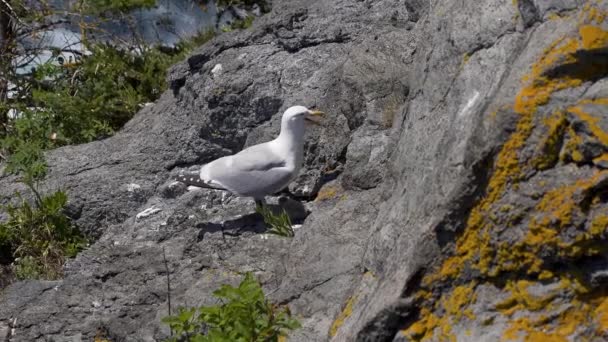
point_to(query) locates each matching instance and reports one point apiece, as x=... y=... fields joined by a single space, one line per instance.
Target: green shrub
x=90 y=100
x=68 y=105
x=278 y=224
x=40 y=237
x=244 y=315
x=86 y=101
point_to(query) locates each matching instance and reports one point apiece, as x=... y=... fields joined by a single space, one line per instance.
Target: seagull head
x=295 y=117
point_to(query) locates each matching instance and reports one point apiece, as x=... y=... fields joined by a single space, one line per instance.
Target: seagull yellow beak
x=314 y=116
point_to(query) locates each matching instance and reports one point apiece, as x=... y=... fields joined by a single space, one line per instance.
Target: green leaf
x=245 y=315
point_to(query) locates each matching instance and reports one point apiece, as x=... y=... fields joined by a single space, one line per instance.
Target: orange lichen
x=601 y=159
x=508 y=169
x=592 y=122
x=424 y=328
x=570 y=320
x=521 y=299
x=599 y=225
x=480 y=248
x=591 y=14
x=531 y=331
x=571 y=147
x=454 y=304
x=545 y=274
x=601 y=314
x=595 y=15
x=549 y=147
x=593 y=37
x=346 y=312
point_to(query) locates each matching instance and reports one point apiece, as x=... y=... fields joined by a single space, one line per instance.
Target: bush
x=243 y=316
x=40 y=237
x=87 y=101
x=69 y=104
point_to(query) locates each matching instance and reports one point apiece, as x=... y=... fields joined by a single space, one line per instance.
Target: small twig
x=13 y=13
x=168 y=285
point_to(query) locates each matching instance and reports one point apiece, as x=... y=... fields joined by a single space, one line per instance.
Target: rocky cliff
x=457 y=191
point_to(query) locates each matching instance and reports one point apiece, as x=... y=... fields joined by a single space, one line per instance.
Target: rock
x=453 y=190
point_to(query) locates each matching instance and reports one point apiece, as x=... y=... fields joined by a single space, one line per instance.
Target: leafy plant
x=40 y=237
x=279 y=224
x=244 y=315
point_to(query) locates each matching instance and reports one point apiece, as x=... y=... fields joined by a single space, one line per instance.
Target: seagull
x=262 y=169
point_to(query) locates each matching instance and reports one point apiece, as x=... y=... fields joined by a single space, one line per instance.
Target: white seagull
x=262 y=169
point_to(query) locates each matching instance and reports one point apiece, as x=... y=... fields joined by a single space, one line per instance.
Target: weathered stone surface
x=455 y=189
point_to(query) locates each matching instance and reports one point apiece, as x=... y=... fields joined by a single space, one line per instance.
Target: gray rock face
x=456 y=190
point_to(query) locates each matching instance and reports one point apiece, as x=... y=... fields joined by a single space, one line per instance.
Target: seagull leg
x=260 y=203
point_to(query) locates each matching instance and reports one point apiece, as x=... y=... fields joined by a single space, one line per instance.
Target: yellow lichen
x=346 y=312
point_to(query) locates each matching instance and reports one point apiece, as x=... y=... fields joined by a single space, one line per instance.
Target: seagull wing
x=256 y=171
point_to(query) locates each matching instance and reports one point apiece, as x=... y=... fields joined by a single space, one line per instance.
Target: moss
x=346 y=312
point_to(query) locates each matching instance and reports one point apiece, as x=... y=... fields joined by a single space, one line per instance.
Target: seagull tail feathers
x=194 y=179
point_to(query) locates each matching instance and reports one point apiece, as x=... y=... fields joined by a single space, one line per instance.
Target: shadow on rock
x=254 y=222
